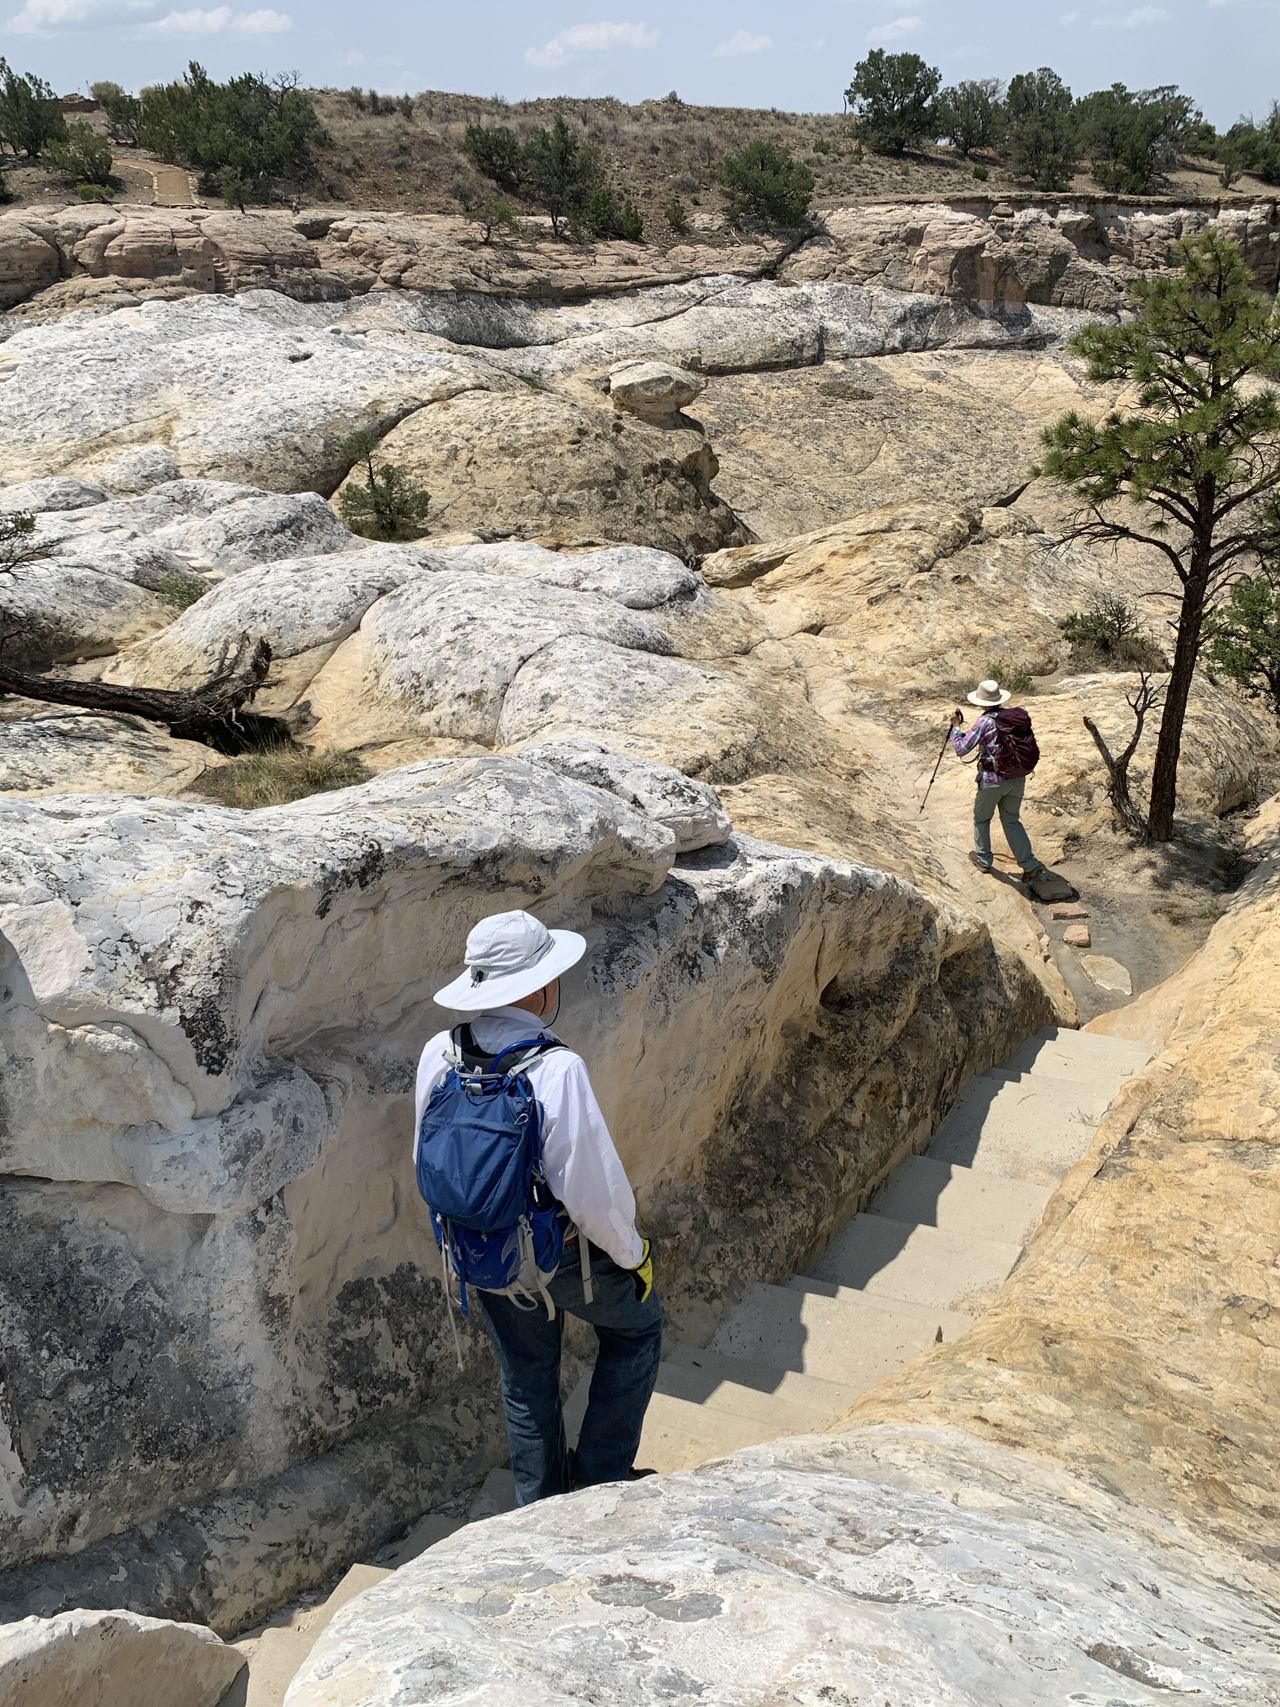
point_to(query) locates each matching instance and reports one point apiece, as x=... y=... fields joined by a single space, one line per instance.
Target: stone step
x=1085 y=1056
x=750 y=1405
x=960 y=1200
x=920 y=1265
x=681 y=1433
x=831 y=1332
x=1033 y=1127
x=831 y=1397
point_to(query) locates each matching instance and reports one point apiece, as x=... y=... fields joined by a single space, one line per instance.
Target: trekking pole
x=946 y=739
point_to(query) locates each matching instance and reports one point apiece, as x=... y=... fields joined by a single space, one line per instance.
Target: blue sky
x=798 y=56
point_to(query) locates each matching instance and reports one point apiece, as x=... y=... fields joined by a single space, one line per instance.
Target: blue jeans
x=1007 y=796
x=528 y=1348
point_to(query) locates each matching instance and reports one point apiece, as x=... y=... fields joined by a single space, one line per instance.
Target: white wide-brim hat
x=989 y=693
x=510 y=955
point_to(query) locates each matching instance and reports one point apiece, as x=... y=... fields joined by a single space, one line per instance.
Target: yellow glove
x=643 y=1274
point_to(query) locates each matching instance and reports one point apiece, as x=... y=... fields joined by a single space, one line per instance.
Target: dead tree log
x=1140 y=702
x=190 y=715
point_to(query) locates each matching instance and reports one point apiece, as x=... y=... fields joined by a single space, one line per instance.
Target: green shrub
x=561 y=173
x=1016 y=677
x=280 y=774
x=1249 y=147
x=492 y=215
x=497 y=154
x=1109 y=636
x=124 y=113
x=676 y=217
x=603 y=215
x=970 y=115
x=179 y=591
x=95 y=192
x=104 y=92
x=822 y=145
x=1244 y=639
x=241 y=135
x=390 y=504
x=1044 y=142
x=981 y=174
x=30 y=113
x=764 y=181
x=893 y=96
x=1131 y=138
x=80 y=154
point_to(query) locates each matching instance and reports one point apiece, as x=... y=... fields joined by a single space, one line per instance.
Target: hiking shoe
x=1030 y=876
x=974 y=860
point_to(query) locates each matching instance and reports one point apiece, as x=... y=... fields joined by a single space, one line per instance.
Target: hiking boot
x=1033 y=874
x=974 y=860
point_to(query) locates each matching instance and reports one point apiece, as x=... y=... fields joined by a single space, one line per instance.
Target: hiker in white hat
x=510 y=991
x=1007 y=755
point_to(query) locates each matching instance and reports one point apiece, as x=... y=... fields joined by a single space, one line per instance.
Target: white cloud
x=742 y=43
x=1069 y=18
x=1136 y=19
x=46 y=17
x=899 y=27
x=588 y=38
x=221 y=21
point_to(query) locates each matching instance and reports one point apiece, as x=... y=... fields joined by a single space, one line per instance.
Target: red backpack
x=1013 y=751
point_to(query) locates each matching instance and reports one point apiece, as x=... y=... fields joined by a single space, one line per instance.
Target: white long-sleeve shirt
x=578 y=1158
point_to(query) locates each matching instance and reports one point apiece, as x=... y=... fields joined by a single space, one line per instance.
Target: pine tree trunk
x=1164 y=779
x=190 y=715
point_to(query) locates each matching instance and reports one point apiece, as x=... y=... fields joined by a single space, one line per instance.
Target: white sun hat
x=510 y=955
x=989 y=693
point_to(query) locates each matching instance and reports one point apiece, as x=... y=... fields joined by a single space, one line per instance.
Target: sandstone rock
x=62 y=609
x=1108 y=974
x=807 y=448
x=28 y=257
x=101 y=1659
x=227 y=394
x=138 y=470
x=52 y=751
x=690 y=810
x=1077 y=936
x=210 y=1023
x=1066 y=256
x=305 y=607
x=1067 y=910
x=58 y=493
x=655 y=391
x=1138 y=1319
x=812 y=1569
x=547 y=464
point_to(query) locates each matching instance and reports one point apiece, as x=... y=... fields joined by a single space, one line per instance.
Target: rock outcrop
x=903 y=1565
x=210 y=1024
x=1066 y=252
x=1135 y=1347
x=101 y=1659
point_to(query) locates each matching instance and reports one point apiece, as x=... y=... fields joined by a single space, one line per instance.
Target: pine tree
x=1193 y=471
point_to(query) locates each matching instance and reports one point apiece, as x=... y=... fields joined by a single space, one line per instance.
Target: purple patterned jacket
x=980 y=735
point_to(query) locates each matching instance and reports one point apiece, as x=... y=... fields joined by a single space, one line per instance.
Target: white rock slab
x=905 y=1565
x=113 y=1659
x=1108 y=974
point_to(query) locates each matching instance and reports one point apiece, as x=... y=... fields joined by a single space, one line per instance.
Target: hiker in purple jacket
x=1007 y=755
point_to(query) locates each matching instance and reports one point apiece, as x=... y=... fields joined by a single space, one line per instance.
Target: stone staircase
x=930 y=1253
x=934 y=1246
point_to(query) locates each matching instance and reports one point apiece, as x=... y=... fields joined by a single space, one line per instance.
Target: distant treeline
x=1130 y=138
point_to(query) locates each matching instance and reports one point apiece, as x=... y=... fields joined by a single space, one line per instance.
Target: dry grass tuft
x=278 y=775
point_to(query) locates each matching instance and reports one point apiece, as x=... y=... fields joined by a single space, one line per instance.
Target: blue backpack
x=479 y=1168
